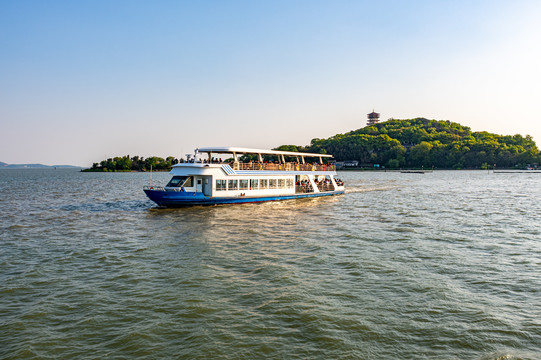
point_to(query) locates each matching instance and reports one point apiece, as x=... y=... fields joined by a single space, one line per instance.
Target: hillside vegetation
x=412 y=143
x=428 y=143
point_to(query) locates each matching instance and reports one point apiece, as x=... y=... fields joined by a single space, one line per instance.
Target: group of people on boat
x=213 y=160
x=269 y=165
x=327 y=185
x=304 y=186
x=220 y=161
x=323 y=185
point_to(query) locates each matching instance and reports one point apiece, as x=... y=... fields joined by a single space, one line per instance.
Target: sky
x=82 y=81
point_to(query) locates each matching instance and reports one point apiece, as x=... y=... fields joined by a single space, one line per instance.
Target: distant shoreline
x=37 y=166
x=104 y=170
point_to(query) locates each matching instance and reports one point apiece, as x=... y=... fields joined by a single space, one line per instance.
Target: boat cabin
x=251 y=174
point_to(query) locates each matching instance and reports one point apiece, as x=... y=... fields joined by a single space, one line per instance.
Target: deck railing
x=283 y=167
x=325 y=187
x=307 y=188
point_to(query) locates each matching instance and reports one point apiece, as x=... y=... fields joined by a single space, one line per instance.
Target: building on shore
x=373 y=118
x=346 y=164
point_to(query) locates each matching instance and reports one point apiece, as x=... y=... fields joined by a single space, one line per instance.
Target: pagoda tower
x=373 y=118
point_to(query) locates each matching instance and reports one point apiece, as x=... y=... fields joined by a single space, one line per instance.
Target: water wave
x=434 y=267
x=361 y=189
x=127 y=205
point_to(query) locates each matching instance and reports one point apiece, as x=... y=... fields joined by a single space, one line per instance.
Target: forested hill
x=413 y=143
x=428 y=143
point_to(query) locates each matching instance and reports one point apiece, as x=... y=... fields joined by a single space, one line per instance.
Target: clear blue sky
x=84 y=80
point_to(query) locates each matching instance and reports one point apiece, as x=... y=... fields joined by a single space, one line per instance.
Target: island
x=393 y=144
x=422 y=143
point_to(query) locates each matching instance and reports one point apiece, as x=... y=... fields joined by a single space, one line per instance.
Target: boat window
x=178 y=181
x=272 y=183
x=243 y=184
x=253 y=184
x=281 y=183
x=232 y=185
x=263 y=183
x=188 y=182
x=289 y=183
x=221 y=185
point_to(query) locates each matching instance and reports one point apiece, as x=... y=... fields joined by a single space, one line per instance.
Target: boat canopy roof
x=236 y=150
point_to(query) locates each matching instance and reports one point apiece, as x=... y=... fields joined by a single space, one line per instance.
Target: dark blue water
x=445 y=265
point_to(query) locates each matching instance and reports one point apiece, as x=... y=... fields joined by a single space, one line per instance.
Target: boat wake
x=352 y=190
x=134 y=205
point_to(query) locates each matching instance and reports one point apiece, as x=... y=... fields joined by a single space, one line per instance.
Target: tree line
x=135 y=163
x=419 y=142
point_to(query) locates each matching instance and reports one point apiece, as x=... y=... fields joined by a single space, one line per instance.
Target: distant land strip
x=393 y=144
x=4 y=165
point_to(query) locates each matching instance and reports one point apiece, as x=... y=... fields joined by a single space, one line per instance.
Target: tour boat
x=271 y=175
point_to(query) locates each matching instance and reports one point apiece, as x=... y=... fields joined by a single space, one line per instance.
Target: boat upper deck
x=264 y=166
x=265 y=160
x=288 y=166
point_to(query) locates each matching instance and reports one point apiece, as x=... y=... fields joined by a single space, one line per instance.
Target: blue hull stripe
x=175 y=199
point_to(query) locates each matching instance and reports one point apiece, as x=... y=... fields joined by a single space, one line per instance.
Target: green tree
x=420 y=154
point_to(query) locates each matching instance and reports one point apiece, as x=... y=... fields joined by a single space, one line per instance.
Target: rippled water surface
x=445 y=265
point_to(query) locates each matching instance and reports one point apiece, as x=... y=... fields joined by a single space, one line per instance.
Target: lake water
x=445 y=265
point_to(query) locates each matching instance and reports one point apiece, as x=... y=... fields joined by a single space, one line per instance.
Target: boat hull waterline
x=182 y=199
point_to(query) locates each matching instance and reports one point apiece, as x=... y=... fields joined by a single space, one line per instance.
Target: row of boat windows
x=253 y=184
